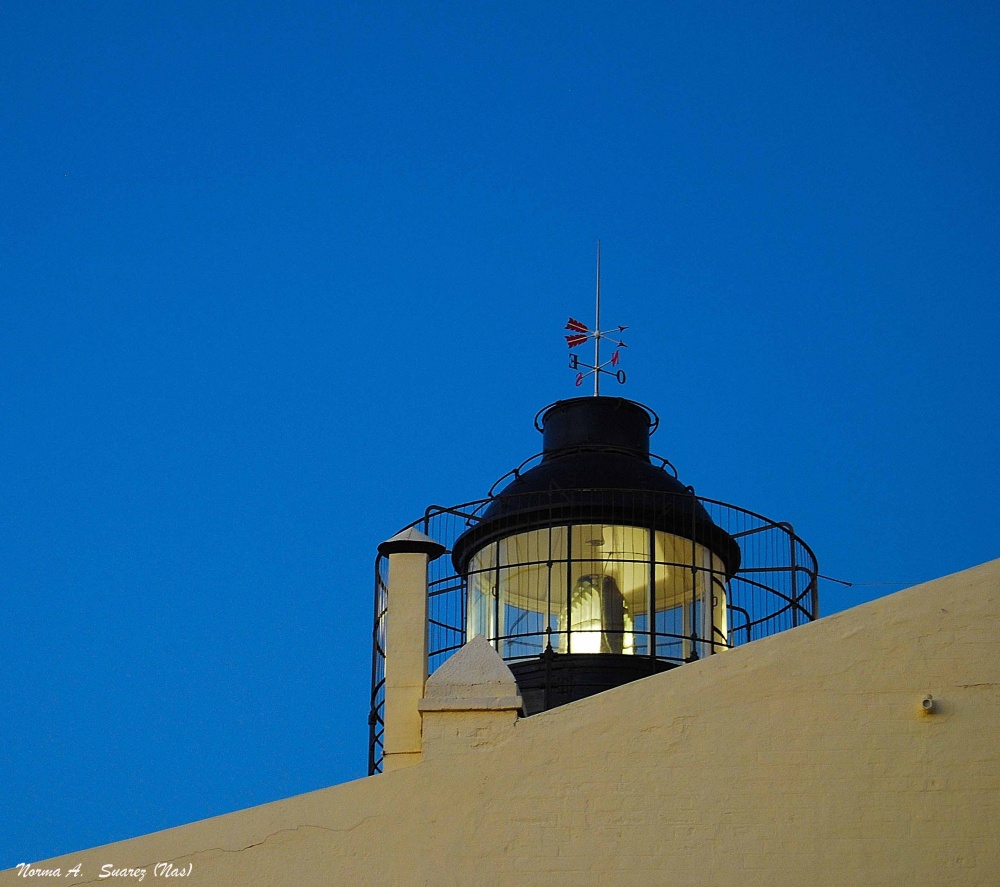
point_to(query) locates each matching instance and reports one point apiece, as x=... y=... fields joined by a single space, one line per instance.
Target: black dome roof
x=596 y=468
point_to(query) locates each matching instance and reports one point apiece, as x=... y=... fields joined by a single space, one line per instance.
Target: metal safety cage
x=774 y=588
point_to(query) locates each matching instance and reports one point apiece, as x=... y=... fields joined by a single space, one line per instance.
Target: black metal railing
x=775 y=588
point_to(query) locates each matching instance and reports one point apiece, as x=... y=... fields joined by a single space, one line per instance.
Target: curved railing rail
x=775 y=588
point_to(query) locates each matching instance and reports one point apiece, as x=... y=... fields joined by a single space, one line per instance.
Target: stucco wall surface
x=802 y=759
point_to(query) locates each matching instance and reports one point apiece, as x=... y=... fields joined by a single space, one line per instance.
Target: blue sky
x=276 y=276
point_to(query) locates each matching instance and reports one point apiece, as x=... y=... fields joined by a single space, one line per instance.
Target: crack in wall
x=189 y=857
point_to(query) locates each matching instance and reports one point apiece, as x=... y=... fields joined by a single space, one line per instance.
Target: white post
x=409 y=553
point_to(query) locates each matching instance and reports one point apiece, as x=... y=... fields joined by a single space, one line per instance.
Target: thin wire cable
x=863 y=584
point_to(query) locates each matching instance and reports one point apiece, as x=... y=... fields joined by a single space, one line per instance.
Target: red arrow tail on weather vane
x=578 y=328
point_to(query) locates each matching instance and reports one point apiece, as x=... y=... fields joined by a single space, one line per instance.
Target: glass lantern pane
x=481 y=584
x=720 y=603
x=691 y=620
x=531 y=589
x=608 y=586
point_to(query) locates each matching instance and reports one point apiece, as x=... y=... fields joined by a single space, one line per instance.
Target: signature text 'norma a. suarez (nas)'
x=108 y=870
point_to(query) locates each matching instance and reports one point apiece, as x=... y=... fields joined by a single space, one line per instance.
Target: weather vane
x=580 y=334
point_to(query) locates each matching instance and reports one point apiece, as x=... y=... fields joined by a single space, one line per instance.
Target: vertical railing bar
x=651 y=615
x=569 y=588
x=795 y=585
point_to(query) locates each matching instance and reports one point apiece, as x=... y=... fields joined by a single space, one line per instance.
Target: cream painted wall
x=802 y=759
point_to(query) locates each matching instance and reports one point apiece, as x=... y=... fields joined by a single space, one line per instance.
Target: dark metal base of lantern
x=553 y=679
